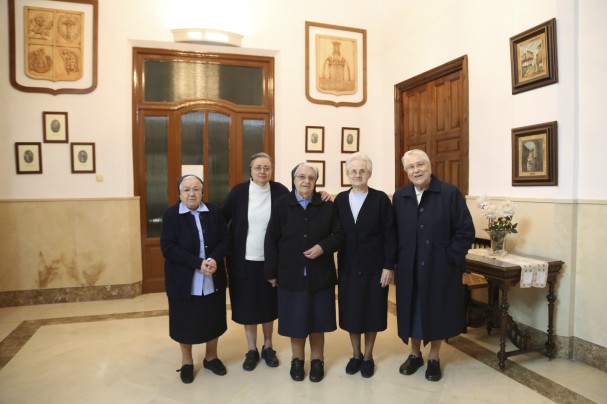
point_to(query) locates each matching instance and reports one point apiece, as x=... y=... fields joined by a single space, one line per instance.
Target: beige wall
x=48 y=244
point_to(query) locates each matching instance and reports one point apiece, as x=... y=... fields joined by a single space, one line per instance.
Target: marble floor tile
x=119 y=352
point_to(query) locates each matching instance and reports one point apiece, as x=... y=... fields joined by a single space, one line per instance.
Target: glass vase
x=498 y=243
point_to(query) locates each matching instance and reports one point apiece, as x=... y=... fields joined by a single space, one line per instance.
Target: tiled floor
x=119 y=352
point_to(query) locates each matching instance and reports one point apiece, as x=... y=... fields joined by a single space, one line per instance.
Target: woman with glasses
x=301 y=238
x=194 y=241
x=247 y=210
x=365 y=262
x=435 y=231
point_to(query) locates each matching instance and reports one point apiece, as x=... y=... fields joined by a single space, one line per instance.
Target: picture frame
x=315 y=139
x=533 y=57
x=55 y=127
x=82 y=156
x=28 y=157
x=534 y=155
x=345 y=181
x=320 y=164
x=64 y=60
x=336 y=65
x=350 y=140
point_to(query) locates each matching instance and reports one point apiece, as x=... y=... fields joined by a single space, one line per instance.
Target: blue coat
x=291 y=231
x=180 y=247
x=370 y=244
x=236 y=213
x=435 y=235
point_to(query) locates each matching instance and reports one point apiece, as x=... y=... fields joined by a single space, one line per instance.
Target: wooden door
x=194 y=113
x=431 y=114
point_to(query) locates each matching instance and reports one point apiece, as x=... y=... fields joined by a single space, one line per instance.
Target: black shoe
x=186 y=373
x=317 y=370
x=250 y=360
x=433 y=370
x=411 y=365
x=297 y=370
x=215 y=366
x=367 y=368
x=269 y=355
x=353 y=366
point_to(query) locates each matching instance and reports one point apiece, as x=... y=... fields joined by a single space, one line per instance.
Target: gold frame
x=343 y=48
x=17 y=48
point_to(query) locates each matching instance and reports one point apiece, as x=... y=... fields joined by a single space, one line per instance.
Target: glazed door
x=177 y=133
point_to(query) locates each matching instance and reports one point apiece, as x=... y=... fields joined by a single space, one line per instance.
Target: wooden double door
x=431 y=114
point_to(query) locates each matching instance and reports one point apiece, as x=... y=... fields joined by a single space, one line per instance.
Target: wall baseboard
x=69 y=295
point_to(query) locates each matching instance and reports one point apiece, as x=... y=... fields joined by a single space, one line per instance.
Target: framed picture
x=53 y=45
x=320 y=164
x=534 y=155
x=83 y=158
x=55 y=127
x=533 y=58
x=336 y=65
x=345 y=181
x=28 y=158
x=349 y=140
x=315 y=139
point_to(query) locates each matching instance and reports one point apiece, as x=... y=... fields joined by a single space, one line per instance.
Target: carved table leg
x=551 y=297
x=503 y=327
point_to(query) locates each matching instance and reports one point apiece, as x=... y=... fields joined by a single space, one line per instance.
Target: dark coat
x=291 y=231
x=438 y=233
x=370 y=244
x=180 y=247
x=236 y=212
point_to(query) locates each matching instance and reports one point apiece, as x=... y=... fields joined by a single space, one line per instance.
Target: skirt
x=253 y=298
x=301 y=312
x=363 y=304
x=199 y=319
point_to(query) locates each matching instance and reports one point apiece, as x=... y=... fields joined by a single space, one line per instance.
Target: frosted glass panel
x=156 y=165
x=218 y=174
x=252 y=142
x=242 y=85
x=192 y=126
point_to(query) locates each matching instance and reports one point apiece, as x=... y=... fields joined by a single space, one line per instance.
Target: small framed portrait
x=320 y=164
x=28 y=158
x=83 y=158
x=345 y=181
x=349 y=140
x=533 y=57
x=534 y=155
x=315 y=139
x=55 y=127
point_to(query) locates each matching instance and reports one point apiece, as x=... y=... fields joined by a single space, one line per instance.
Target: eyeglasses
x=420 y=164
x=302 y=178
x=262 y=168
x=187 y=190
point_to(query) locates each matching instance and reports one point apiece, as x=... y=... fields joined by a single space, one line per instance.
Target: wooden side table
x=505 y=275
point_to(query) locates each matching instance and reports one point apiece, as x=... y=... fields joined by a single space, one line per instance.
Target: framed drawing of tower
x=336 y=65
